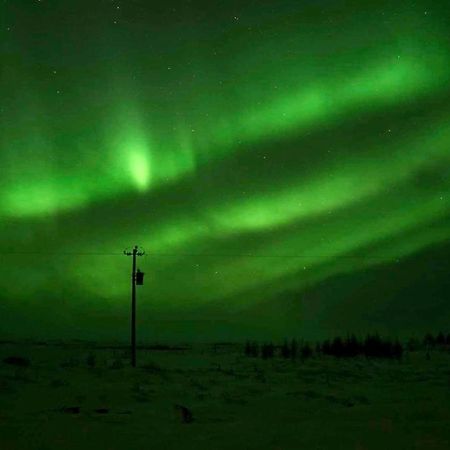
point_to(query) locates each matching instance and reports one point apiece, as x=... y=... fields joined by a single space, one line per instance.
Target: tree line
x=371 y=346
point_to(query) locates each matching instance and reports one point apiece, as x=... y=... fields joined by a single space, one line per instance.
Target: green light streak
x=342 y=184
x=385 y=83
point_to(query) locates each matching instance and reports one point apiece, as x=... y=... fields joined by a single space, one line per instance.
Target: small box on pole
x=139 y=278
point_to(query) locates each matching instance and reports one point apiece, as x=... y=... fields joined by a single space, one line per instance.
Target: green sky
x=248 y=147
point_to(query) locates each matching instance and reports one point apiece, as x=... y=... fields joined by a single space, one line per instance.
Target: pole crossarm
x=134 y=252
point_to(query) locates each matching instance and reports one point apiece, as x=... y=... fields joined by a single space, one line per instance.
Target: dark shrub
x=117 y=364
x=251 y=349
x=91 y=360
x=18 y=361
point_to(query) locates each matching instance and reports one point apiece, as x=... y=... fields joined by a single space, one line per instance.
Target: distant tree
x=377 y=347
x=440 y=339
x=318 y=348
x=429 y=340
x=267 y=350
x=373 y=346
x=248 y=348
x=326 y=347
x=264 y=351
x=294 y=348
x=351 y=346
x=387 y=349
x=337 y=347
x=397 y=350
x=285 y=350
x=306 y=351
x=413 y=344
x=447 y=339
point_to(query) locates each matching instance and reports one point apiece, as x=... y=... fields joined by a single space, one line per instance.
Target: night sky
x=256 y=150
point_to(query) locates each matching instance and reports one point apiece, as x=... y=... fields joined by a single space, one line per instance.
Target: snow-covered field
x=236 y=402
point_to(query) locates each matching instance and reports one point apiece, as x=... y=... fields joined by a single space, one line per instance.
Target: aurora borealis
x=248 y=147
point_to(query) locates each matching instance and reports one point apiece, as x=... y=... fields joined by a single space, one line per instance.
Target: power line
x=192 y=255
x=59 y=253
x=188 y=255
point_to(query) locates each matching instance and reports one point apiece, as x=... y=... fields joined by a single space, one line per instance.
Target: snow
x=237 y=402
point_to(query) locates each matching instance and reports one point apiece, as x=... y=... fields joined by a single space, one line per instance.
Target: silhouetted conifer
x=267 y=351
x=429 y=340
x=351 y=346
x=397 y=350
x=337 y=347
x=306 y=351
x=326 y=347
x=264 y=351
x=440 y=339
x=294 y=349
x=285 y=350
x=373 y=346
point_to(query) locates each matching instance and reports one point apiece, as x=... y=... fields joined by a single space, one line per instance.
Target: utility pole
x=134 y=253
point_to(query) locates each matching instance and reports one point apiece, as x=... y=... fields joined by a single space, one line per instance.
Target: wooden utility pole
x=134 y=253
